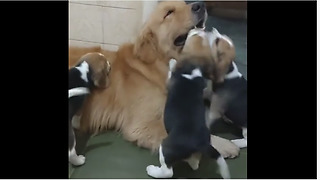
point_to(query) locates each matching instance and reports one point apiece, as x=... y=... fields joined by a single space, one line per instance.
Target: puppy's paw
x=153 y=171
x=207 y=94
x=225 y=147
x=159 y=172
x=77 y=160
x=194 y=165
x=241 y=143
x=193 y=162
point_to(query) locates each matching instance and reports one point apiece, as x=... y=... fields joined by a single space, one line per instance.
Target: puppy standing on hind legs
x=229 y=95
x=92 y=71
x=184 y=120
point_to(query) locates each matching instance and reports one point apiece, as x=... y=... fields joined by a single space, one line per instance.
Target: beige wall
x=106 y=23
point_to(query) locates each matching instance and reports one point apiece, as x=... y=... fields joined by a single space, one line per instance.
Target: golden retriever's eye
x=168 y=13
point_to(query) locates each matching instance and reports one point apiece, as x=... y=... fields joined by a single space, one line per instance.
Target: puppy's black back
x=184 y=103
x=184 y=99
x=75 y=81
x=235 y=93
x=184 y=117
x=76 y=102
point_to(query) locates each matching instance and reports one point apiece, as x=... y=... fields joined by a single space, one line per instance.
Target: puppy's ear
x=221 y=69
x=101 y=77
x=145 y=47
x=208 y=71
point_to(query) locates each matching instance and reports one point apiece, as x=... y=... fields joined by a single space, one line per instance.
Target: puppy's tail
x=223 y=166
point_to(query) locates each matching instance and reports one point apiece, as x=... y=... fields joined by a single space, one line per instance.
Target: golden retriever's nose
x=198 y=7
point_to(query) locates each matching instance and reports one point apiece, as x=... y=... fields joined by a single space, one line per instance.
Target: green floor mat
x=109 y=156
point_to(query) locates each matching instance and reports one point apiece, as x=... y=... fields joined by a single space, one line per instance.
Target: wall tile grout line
x=94 y=42
x=102 y=22
x=98 y=5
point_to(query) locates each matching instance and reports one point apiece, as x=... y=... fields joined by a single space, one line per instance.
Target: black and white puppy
x=185 y=123
x=91 y=72
x=79 y=85
x=229 y=101
x=229 y=94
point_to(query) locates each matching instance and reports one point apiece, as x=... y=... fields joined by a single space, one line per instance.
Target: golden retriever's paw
x=225 y=147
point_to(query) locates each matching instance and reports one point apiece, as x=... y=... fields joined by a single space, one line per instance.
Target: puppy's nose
x=198 y=6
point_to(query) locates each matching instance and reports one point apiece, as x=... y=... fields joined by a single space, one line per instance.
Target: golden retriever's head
x=165 y=32
x=214 y=51
x=100 y=68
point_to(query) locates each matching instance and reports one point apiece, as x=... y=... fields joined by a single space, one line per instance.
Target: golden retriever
x=134 y=102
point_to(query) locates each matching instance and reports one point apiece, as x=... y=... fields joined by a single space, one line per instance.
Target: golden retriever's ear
x=145 y=47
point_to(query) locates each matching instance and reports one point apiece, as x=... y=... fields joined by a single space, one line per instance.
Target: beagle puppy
x=228 y=94
x=91 y=72
x=184 y=115
x=184 y=119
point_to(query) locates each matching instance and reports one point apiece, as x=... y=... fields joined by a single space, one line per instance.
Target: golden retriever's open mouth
x=180 y=40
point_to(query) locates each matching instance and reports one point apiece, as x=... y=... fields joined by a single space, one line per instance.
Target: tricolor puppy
x=91 y=72
x=228 y=94
x=184 y=119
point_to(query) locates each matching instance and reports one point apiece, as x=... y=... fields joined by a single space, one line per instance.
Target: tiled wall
x=105 y=23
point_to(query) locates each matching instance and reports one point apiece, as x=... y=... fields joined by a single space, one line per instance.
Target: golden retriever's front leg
x=225 y=147
x=147 y=134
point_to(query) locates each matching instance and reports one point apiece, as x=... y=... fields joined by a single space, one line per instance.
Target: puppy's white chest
x=195 y=73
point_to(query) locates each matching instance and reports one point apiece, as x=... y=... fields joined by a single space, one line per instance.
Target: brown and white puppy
x=101 y=68
x=91 y=72
x=185 y=122
x=229 y=91
x=228 y=94
x=199 y=49
x=216 y=55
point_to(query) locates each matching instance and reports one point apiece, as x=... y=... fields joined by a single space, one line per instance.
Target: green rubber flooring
x=108 y=155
